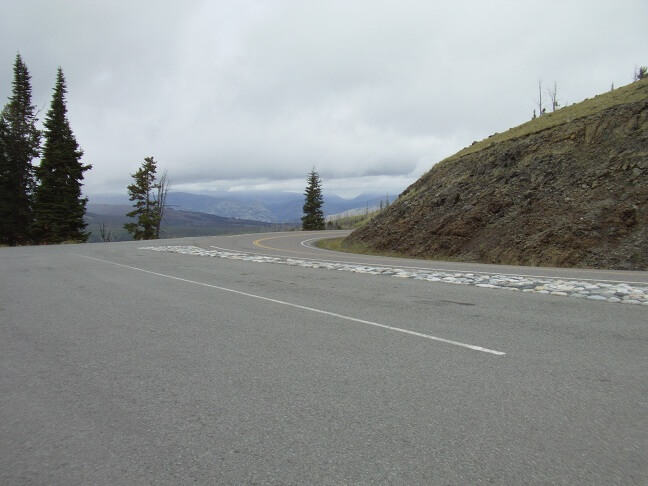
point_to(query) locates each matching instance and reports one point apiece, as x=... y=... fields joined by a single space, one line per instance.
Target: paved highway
x=121 y=365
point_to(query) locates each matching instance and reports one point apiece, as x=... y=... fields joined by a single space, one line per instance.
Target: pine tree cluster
x=39 y=204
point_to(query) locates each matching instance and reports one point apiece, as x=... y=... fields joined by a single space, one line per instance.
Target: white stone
x=596 y=297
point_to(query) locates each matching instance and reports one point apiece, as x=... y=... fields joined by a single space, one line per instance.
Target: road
x=121 y=365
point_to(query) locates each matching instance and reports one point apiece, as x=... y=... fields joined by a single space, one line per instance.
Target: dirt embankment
x=575 y=194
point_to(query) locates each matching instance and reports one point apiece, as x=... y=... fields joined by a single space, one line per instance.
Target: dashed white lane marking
x=306 y=308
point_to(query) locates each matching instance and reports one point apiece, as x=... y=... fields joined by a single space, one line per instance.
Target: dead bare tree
x=541 y=109
x=553 y=96
x=163 y=187
x=105 y=232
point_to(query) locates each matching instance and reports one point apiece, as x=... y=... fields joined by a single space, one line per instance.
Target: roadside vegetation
x=338 y=244
x=341 y=245
x=357 y=219
x=351 y=222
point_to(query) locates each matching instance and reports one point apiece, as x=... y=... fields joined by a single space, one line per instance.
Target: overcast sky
x=239 y=94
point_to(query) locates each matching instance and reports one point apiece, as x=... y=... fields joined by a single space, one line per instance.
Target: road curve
x=300 y=244
x=124 y=365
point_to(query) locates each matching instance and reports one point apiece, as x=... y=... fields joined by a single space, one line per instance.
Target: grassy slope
x=353 y=222
x=631 y=93
x=627 y=94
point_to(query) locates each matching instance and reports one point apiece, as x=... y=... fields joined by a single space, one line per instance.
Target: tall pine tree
x=58 y=206
x=313 y=218
x=144 y=192
x=19 y=144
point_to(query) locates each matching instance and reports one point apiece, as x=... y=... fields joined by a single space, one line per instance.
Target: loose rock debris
x=613 y=292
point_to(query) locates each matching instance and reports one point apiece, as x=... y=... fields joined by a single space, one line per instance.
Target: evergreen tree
x=313 y=218
x=59 y=208
x=144 y=191
x=19 y=144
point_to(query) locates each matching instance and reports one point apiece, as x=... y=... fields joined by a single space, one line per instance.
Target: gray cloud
x=254 y=94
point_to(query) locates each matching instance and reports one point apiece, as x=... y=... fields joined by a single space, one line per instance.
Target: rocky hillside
x=569 y=188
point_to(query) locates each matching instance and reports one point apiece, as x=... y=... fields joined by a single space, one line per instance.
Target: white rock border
x=599 y=291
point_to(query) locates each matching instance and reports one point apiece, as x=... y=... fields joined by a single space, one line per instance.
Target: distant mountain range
x=110 y=219
x=268 y=207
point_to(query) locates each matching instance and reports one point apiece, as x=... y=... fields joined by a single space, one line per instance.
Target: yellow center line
x=260 y=245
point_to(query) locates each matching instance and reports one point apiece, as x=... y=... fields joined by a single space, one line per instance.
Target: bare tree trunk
x=162 y=191
x=541 y=110
x=553 y=95
x=105 y=232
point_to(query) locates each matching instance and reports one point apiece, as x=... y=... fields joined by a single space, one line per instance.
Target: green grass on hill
x=338 y=244
x=342 y=245
x=352 y=222
x=631 y=93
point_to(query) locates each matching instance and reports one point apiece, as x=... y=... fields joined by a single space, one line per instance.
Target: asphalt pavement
x=127 y=366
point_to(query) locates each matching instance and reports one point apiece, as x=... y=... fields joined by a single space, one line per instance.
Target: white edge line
x=310 y=309
x=303 y=243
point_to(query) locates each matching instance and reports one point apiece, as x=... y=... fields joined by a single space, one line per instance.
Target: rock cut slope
x=569 y=188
